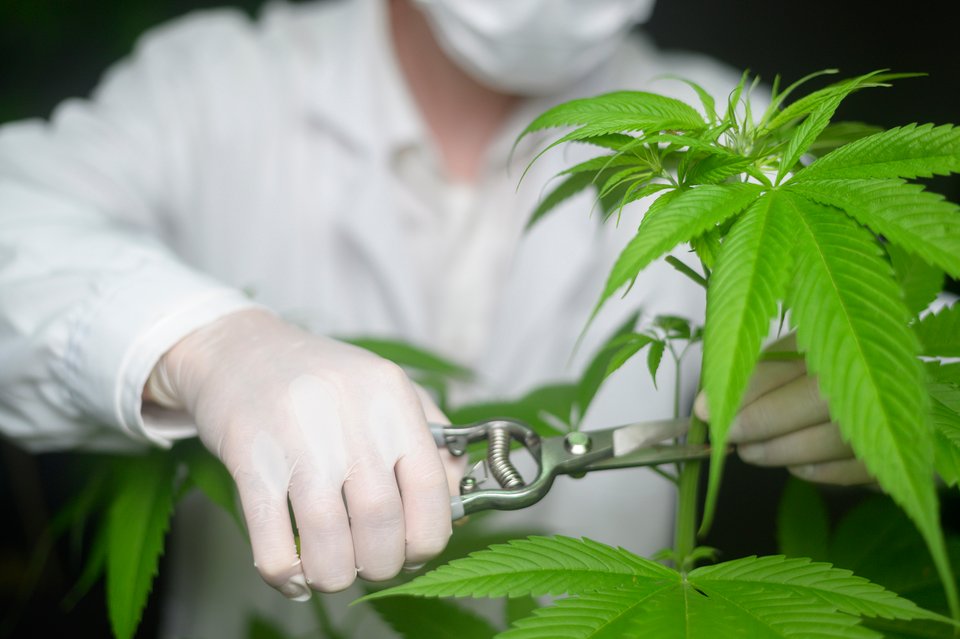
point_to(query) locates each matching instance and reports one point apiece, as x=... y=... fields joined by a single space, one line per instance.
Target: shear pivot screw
x=467 y=485
x=577 y=443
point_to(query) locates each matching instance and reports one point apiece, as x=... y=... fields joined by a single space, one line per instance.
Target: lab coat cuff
x=118 y=343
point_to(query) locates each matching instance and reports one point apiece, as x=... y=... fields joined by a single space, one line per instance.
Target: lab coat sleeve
x=90 y=297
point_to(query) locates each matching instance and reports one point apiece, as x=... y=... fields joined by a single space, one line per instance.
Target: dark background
x=53 y=49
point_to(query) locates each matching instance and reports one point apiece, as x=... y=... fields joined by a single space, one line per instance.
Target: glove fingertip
x=700 y=407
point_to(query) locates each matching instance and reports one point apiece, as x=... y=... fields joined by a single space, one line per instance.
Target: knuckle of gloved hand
x=432 y=475
x=812 y=391
x=751 y=422
x=382 y=565
x=845 y=473
x=319 y=388
x=262 y=509
x=328 y=559
x=855 y=473
x=313 y=505
x=386 y=374
x=332 y=578
x=844 y=480
x=753 y=453
x=808 y=472
x=274 y=570
x=701 y=408
x=276 y=563
x=378 y=508
x=380 y=553
x=428 y=543
x=382 y=570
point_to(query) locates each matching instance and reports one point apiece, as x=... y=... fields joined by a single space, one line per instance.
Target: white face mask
x=531 y=47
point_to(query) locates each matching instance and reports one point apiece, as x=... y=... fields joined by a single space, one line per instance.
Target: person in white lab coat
x=344 y=163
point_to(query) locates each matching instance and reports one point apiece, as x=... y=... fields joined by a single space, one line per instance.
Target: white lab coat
x=230 y=158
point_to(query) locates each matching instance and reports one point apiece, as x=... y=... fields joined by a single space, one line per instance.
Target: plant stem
x=686 y=270
x=666 y=475
x=685 y=530
x=676 y=380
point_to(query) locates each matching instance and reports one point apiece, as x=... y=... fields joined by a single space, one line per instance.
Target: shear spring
x=498 y=457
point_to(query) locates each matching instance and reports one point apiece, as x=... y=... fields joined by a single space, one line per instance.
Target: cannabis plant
x=787 y=217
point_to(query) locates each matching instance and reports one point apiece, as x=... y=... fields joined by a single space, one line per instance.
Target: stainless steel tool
x=575 y=453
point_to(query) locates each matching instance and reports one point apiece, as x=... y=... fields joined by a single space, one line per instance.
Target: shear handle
x=558 y=456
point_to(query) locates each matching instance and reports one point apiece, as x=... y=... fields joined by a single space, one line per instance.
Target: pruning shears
x=575 y=453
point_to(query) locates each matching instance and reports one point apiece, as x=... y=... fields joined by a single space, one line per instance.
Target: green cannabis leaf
x=569 y=187
x=534 y=566
x=945 y=416
x=413 y=618
x=618 y=112
x=136 y=524
x=910 y=151
x=920 y=282
x=627 y=347
x=877 y=541
x=517 y=608
x=208 y=473
x=417 y=359
x=620 y=594
x=654 y=357
x=839 y=133
x=261 y=628
x=853 y=328
x=803 y=524
x=93 y=569
x=939 y=332
x=923 y=223
x=750 y=277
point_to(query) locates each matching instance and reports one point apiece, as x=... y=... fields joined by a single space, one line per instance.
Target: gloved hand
x=785 y=422
x=339 y=430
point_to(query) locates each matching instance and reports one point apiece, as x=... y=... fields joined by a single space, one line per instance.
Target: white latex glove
x=784 y=421
x=339 y=430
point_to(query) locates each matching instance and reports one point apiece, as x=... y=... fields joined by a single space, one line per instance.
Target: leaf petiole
x=686 y=270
